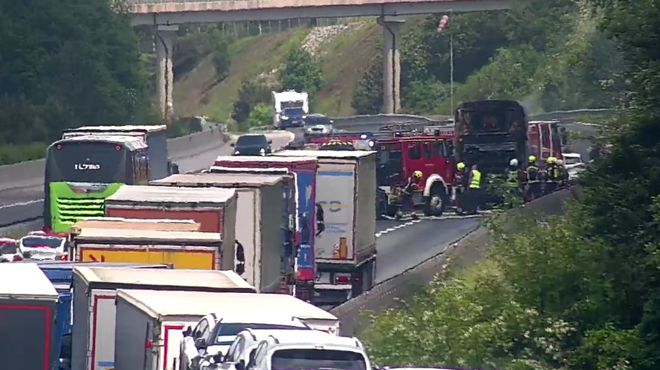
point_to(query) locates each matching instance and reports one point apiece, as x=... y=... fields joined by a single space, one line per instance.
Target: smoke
x=532 y=104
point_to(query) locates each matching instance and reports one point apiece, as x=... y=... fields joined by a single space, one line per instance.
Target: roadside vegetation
x=60 y=69
x=576 y=292
x=549 y=55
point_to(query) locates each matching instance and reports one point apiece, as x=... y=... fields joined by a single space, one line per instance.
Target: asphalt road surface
x=403 y=245
x=24 y=204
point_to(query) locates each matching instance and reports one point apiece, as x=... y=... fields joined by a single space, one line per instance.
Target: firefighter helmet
x=417 y=174
x=513 y=163
x=551 y=159
x=460 y=165
x=532 y=158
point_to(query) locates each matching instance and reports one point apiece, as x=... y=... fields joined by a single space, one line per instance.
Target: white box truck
x=265 y=205
x=28 y=327
x=346 y=250
x=150 y=324
x=94 y=291
x=290 y=108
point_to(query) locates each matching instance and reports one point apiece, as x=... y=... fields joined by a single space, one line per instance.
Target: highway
x=414 y=242
x=23 y=204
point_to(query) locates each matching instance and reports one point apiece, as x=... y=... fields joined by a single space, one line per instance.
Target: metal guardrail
x=374 y=122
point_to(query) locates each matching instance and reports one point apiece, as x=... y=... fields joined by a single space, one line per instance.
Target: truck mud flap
x=330 y=297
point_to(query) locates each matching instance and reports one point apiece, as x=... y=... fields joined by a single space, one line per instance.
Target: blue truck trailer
x=60 y=274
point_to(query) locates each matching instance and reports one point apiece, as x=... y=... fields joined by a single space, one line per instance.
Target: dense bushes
x=300 y=71
x=578 y=292
x=66 y=64
x=549 y=54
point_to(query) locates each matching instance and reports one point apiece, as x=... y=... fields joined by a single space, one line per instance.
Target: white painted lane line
x=379 y=234
x=22 y=204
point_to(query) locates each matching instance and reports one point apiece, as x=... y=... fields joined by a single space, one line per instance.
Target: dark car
x=256 y=144
x=292 y=117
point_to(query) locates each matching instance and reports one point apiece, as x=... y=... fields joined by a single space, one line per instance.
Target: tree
x=220 y=55
x=252 y=92
x=260 y=115
x=59 y=68
x=368 y=96
x=301 y=72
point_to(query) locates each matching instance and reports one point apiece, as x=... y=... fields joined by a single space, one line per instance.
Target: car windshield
x=314 y=359
x=295 y=112
x=36 y=242
x=226 y=333
x=249 y=140
x=317 y=120
x=8 y=248
x=571 y=160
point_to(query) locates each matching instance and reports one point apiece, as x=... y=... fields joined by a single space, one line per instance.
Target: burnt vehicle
x=490 y=133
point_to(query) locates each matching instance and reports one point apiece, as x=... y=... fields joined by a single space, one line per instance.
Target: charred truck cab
x=490 y=133
x=399 y=156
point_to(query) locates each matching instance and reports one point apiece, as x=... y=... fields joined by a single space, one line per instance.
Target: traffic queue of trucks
x=131 y=316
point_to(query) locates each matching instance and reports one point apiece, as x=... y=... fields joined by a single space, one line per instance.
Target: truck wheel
x=369 y=275
x=435 y=204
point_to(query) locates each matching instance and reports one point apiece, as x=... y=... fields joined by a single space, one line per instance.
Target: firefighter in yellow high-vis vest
x=474 y=190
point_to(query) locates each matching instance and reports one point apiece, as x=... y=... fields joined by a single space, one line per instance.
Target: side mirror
x=270 y=141
x=218 y=357
x=174 y=168
x=200 y=343
x=232 y=145
x=240 y=365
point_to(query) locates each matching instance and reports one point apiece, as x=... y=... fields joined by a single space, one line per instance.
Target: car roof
x=259 y=135
x=259 y=335
x=574 y=155
x=36 y=236
x=316 y=338
x=256 y=318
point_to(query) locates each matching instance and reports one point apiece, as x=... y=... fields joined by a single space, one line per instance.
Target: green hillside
x=344 y=59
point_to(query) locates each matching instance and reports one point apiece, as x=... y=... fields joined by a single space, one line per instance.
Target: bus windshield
x=97 y=162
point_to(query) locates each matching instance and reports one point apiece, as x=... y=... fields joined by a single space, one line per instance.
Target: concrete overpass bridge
x=164 y=16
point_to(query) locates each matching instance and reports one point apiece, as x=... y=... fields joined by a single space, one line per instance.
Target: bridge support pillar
x=391 y=63
x=164 y=37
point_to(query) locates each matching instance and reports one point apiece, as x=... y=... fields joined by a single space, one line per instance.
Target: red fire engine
x=544 y=140
x=400 y=155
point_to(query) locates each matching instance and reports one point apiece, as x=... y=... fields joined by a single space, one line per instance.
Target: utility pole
x=451 y=74
x=442 y=25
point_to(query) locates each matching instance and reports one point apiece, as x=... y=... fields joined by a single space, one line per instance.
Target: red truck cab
x=432 y=153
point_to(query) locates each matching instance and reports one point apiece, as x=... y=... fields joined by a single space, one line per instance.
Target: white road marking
x=22 y=204
x=410 y=223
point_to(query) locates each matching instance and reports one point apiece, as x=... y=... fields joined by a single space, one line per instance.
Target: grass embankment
x=344 y=59
x=198 y=92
